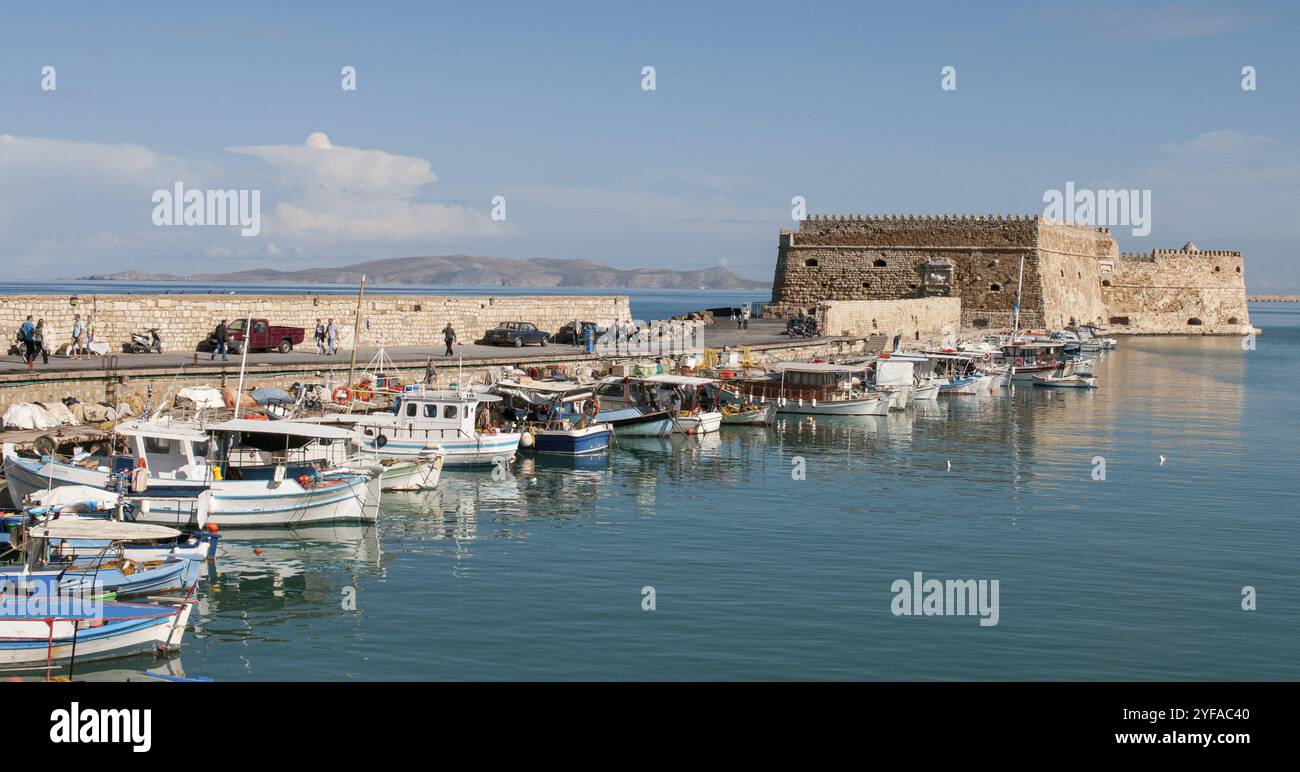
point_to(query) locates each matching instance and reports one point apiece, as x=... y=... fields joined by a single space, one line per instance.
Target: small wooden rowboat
x=1066 y=382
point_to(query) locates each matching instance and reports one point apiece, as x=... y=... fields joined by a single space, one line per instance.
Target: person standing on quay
x=27 y=331
x=78 y=343
x=331 y=338
x=222 y=345
x=448 y=337
x=320 y=337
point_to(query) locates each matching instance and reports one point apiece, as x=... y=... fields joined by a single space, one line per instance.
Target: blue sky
x=542 y=103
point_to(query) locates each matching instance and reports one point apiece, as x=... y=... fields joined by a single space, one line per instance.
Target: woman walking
x=38 y=339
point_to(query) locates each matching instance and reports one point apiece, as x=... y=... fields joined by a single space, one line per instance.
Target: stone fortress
x=922 y=274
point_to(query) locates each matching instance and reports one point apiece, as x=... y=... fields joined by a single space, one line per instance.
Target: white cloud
x=331 y=192
x=75 y=207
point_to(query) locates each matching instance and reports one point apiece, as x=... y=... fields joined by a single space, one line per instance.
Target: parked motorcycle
x=145 y=342
x=802 y=327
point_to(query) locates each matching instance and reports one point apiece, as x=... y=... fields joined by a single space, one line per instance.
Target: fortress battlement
x=1071 y=271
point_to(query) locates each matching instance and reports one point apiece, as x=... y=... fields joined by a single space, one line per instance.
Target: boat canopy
x=94 y=528
x=283 y=428
x=679 y=380
x=64 y=495
x=818 y=367
x=163 y=431
x=545 y=391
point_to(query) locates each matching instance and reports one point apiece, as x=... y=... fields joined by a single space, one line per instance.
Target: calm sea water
x=646 y=303
x=760 y=576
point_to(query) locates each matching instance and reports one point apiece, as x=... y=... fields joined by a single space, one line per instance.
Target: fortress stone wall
x=977 y=259
x=918 y=319
x=1178 y=291
x=394 y=320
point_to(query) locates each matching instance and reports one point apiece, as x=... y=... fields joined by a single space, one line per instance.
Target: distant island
x=467 y=271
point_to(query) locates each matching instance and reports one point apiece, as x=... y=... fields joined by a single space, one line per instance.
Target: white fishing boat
x=1065 y=382
x=818 y=388
x=695 y=401
x=166 y=463
x=404 y=472
x=463 y=425
x=748 y=414
x=627 y=405
x=88 y=631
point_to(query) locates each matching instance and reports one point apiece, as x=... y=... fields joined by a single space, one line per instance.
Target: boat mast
x=1015 y=327
x=356 y=329
x=243 y=361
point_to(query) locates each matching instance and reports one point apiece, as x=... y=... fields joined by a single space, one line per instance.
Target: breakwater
x=392 y=320
x=152 y=385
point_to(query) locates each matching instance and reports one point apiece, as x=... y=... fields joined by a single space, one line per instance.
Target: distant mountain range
x=467 y=271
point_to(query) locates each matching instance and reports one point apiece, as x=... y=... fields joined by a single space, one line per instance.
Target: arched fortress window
x=995 y=287
x=810 y=262
x=1194 y=322
x=1105 y=282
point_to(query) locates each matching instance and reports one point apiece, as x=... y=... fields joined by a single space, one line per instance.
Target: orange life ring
x=341 y=394
x=1020 y=361
x=364 y=394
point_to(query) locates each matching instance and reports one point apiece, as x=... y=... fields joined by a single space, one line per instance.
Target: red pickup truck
x=264 y=337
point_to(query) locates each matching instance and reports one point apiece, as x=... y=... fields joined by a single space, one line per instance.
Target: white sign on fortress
x=1070 y=272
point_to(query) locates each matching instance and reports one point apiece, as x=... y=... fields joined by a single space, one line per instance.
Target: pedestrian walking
x=331 y=338
x=38 y=339
x=744 y=316
x=448 y=337
x=222 y=344
x=320 y=337
x=26 y=333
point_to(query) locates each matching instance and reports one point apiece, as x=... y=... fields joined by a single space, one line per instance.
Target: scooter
x=145 y=342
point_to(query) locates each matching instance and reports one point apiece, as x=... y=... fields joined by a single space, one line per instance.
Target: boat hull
x=235 y=503
x=761 y=417
x=573 y=442
x=700 y=423
x=631 y=422
x=872 y=406
x=32 y=642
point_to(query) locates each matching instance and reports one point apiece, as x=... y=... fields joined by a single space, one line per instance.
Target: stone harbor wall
x=1178 y=292
x=917 y=320
x=395 y=320
x=1067 y=273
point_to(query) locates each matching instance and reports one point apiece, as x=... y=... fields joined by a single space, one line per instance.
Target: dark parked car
x=565 y=333
x=516 y=334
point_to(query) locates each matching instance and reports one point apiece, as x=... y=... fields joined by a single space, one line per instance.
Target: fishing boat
x=819 y=388
x=694 y=399
x=464 y=425
x=166 y=463
x=41 y=637
x=353 y=454
x=626 y=404
x=895 y=374
x=83 y=502
x=559 y=416
x=748 y=414
x=1065 y=382
x=1029 y=358
x=108 y=570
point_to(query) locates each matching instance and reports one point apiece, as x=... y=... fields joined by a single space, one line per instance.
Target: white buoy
x=526 y=440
